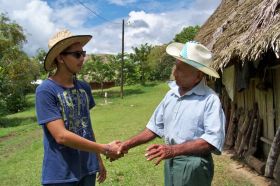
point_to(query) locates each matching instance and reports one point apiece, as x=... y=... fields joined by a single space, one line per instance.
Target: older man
x=189 y=118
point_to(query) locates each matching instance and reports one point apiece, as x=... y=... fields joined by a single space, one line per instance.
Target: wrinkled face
x=72 y=58
x=186 y=76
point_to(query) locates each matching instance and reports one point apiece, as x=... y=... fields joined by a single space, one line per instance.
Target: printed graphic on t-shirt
x=74 y=105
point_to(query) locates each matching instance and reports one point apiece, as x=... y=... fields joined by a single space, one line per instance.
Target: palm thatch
x=242 y=29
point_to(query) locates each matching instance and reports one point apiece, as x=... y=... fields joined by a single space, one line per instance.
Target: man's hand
x=112 y=150
x=123 y=148
x=101 y=176
x=160 y=152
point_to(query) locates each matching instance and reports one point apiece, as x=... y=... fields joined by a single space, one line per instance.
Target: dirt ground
x=243 y=169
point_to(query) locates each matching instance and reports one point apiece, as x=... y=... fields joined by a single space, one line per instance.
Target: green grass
x=21 y=150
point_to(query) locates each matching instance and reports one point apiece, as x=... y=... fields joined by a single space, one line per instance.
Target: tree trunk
x=231 y=128
x=276 y=174
x=255 y=164
x=241 y=120
x=246 y=122
x=252 y=146
x=245 y=130
x=273 y=155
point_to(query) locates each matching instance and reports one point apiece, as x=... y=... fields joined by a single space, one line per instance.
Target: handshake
x=117 y=149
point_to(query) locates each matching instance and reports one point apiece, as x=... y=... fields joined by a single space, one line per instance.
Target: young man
x=63 y=103
x=190 y=118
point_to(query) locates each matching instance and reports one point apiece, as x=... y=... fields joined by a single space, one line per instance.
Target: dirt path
x=239 y=168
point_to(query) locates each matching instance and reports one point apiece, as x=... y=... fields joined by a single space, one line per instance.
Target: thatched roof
x=243 y=29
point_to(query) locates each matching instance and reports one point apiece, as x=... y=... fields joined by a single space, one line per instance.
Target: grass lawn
x=21 y=150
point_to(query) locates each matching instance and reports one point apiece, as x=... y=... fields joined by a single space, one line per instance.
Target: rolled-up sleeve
x=214 y=124
x=155 y=123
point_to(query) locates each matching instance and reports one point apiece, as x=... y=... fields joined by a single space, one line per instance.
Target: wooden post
x=231 y=128
x=246 y=122
x=255 y=164
x=241 y=120
x=245 y=130
x=260 y=123
x=273 y=155
x=122 y=65
x=276 y=173
x=251 y=143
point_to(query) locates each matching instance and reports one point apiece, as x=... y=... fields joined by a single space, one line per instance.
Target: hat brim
x=174 y=49
x=61 y=46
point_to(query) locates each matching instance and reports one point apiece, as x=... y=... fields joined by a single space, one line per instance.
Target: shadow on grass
x=30 y=101
x=116 y=93
x=151 y=84
x=16 y=121
x=134 y=90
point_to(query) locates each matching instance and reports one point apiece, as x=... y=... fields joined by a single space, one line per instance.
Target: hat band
x=184 y=55
x=195 y=64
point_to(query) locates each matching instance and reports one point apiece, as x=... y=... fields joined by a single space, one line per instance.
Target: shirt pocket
x=189 y=127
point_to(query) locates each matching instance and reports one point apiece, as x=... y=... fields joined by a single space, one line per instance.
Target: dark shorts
x=189 y=171
x=88 y=180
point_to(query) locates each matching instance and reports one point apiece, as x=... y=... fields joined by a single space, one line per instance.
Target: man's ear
x=59 y=59
x=199 y=76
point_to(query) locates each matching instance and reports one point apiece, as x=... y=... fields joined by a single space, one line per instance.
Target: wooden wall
x=276 y=85
x=264 y=98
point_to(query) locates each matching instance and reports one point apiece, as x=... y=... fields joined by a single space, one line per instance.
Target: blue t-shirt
x=63 y=164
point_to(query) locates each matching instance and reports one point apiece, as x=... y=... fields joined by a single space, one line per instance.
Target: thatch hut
x=244 y=36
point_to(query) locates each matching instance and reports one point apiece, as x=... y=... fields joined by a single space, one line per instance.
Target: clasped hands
x=117 y=149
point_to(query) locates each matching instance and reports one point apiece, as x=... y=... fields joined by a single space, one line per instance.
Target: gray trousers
x=189 y=171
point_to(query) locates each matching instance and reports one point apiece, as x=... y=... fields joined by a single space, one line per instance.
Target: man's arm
x=194 y=147
x=65 y=137
x=143 y=137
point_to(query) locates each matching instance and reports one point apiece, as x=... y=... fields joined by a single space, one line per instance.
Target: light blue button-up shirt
x=197 y=114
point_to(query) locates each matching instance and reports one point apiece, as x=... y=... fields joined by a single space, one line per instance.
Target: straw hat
x=194 y=54
x=58 y=43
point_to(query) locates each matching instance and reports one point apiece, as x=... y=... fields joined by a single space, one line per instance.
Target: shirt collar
x=199 y=89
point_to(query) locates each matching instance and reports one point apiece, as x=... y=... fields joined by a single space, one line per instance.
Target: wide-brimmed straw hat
x=58 y=43
x=194 y=54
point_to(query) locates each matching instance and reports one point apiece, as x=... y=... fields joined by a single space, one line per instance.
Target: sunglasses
x=76 y=54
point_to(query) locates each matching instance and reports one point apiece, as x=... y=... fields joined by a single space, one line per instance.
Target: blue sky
x=154 y=22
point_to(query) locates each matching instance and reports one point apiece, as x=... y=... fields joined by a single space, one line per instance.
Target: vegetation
x=99 y=70
x=21 y=148
x=161 y=64
x=140 y=57
x=146 y=63
x=14 y=79
x=187 y=34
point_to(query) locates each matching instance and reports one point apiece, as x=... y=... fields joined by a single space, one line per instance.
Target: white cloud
x=71 y=17
x=40 y=21
x=121 y=2
x=151 y=28
x=35 y=19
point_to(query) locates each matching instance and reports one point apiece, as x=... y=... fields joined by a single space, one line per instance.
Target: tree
x=187 y=34
x=130 y=73
x=140 y=58
x=161 y=63
x=39 y=60
x=16 y=69
x=98 y=69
